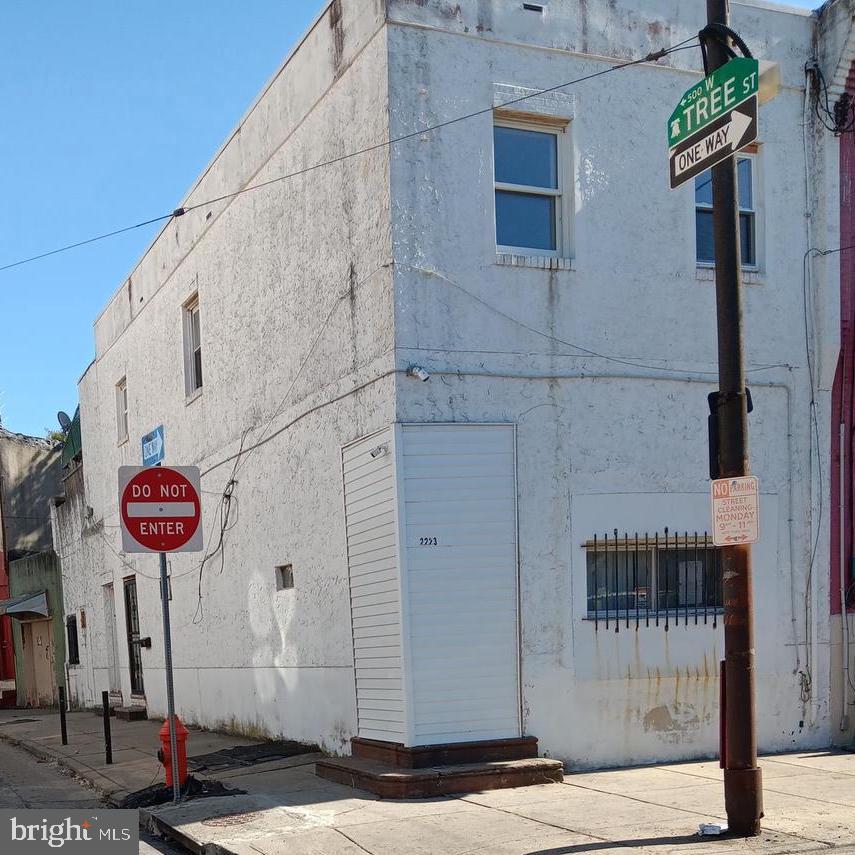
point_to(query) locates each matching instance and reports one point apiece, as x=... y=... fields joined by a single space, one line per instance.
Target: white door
x=460 y=581
x=115 y=684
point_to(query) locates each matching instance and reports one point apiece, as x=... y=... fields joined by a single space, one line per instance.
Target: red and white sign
x=736 y=510
x=160 y=508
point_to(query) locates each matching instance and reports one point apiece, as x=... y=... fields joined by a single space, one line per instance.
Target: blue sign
x=153 y=447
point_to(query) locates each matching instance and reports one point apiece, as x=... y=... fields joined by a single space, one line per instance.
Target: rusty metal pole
x=743 y=791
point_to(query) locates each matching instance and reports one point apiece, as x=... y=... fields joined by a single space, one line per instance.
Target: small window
x=655 y=579
x=71 y=633
x=284 y=577
x=192 y=347
x=527 y=162
x=747 y=214
x=122 y=409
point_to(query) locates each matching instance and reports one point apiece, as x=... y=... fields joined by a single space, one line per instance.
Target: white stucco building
x=410 y=559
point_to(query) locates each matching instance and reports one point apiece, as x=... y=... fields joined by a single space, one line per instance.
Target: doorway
x=39 y=673
x=132 y=621
x=114 y=683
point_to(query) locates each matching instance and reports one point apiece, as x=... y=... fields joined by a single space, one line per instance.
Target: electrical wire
x=653 y=56
x=224 y=511
x=344 y=294
x=80 y=243
x=137 y=571
x=583 y=351
x=839 y=119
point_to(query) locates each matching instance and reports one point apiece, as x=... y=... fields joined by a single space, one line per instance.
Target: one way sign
x=714 y=143
x=153 y=447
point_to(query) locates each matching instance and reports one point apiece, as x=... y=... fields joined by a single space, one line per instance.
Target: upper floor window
x=192 y=346
x=747 y=214
x=528 y=186
x=122 y=409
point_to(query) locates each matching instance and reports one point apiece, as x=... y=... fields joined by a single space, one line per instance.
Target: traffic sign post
x=714 y=119
x=161 y=511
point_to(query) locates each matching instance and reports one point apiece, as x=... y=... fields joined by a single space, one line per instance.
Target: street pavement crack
x=698 y=813
x=358 y=845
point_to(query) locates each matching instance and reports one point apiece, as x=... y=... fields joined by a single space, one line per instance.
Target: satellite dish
x=64 y=421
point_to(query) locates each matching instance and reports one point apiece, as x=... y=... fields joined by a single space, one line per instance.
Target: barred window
x=653 y=578
x=71 y=635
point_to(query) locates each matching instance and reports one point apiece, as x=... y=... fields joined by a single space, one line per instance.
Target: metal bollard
x=108 y=739
x=62 y=725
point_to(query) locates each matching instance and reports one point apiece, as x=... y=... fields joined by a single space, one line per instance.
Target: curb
x=147 y=821
x=64 y=763
x=155 y=825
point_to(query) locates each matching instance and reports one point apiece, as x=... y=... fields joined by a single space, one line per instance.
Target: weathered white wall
x=296 y=319
x=296 y=283
x=617 y=443
x=29 y=478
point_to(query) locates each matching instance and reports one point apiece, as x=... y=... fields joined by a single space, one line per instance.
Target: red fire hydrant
x=165 y=755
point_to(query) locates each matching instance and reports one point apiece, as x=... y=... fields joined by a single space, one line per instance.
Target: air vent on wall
x=534 y=7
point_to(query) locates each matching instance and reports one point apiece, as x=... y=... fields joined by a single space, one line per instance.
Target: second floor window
x=747 y=226
x=528 y=188
x=122 y=409
x=192 y=347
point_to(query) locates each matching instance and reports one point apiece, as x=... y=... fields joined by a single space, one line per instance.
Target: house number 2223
x=428 y=541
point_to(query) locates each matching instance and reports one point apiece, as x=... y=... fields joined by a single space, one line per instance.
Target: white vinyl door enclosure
x=371 y=513
x=435 y=609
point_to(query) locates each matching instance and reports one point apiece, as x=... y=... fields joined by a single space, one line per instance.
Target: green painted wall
x=29 y=576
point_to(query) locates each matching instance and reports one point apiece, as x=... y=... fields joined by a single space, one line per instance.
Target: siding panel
x=374 y=571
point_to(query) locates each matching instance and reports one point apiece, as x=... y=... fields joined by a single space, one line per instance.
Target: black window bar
x=675 y=576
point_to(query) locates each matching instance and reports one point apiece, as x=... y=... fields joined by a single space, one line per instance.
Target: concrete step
x=393 y=782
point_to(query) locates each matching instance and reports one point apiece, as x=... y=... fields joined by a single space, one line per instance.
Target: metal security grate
x=661 y=579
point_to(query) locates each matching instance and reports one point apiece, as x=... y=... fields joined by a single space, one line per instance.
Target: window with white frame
x=528 y=187
x=122 y=409
x=704 y=243
x=660 y=577
x=192 y=346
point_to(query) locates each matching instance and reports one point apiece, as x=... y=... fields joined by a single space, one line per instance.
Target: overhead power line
x=653 y=56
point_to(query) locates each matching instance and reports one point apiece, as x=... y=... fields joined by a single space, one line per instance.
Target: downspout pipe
x=844 y=616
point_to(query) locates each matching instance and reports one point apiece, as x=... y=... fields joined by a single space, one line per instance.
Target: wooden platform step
x=444 y=754
x=131 y=713
x=393 y=782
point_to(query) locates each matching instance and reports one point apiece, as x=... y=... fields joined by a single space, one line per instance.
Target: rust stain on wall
x=674 y=722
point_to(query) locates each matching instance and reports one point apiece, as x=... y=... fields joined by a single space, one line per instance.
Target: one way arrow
x=739 y=125
x=714 y=144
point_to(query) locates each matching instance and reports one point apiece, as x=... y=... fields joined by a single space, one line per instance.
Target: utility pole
x=743 y=790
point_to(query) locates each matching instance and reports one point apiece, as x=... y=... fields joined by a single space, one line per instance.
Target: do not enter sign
x=160 y=509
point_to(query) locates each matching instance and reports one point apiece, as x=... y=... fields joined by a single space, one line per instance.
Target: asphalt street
x=26 y=782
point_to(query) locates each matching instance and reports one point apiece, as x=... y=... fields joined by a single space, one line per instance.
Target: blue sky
x=111 y=110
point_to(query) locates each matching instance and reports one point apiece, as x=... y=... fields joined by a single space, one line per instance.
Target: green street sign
x=707 y=101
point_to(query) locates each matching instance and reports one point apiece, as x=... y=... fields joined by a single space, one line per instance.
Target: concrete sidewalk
x=809 y=797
